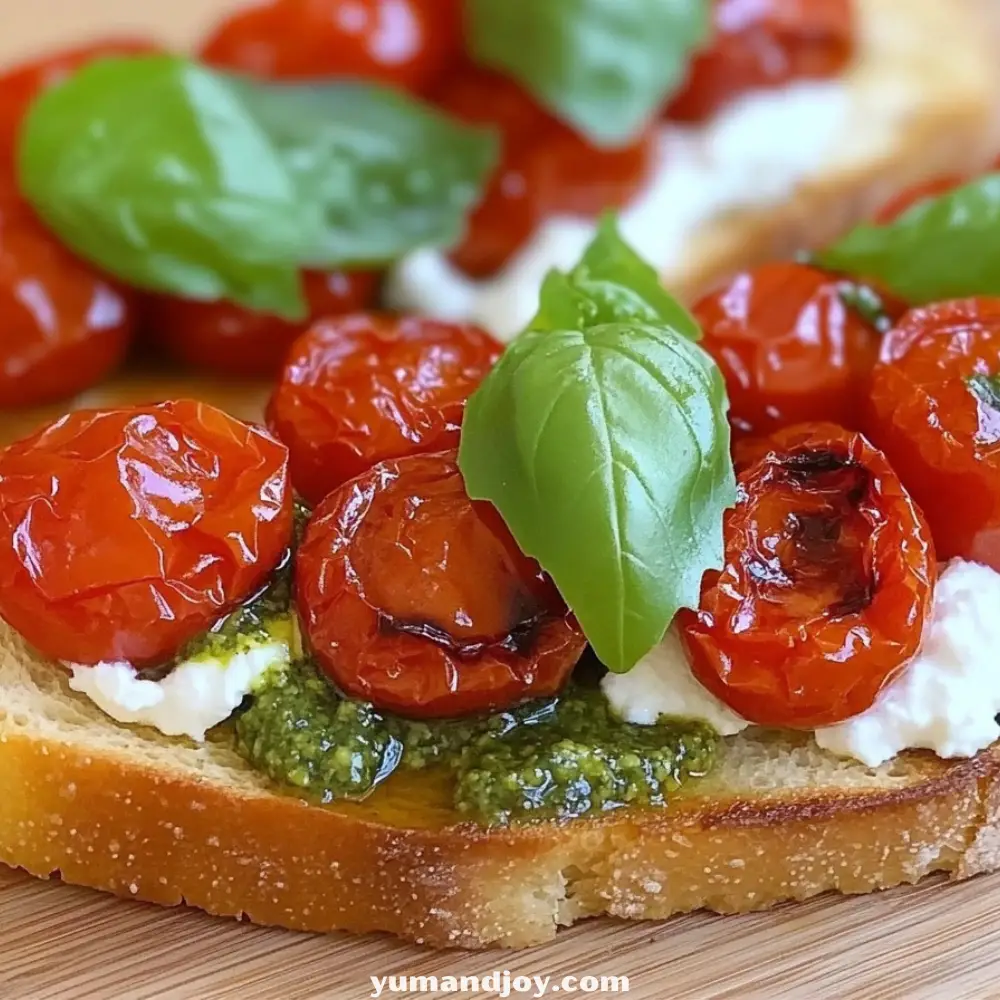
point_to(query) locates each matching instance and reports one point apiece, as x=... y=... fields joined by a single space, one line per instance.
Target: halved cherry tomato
x=125 y=533
x=935 y=411
x=230 y=340
x=545 y=168
x=20 y=85
x=407 y=43
x=364 y=388
x=828 y=580
x=790 y=346
x=417 y=599
x=63 y=325
x=764 y=43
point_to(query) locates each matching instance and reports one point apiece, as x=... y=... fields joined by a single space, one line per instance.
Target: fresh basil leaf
x=604 y=66
x=606 y=451
x=941 y=248
x=385 y=173
x=611 y=284
x=153 y=169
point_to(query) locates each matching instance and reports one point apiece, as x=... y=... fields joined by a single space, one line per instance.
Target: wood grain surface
x=56 y=941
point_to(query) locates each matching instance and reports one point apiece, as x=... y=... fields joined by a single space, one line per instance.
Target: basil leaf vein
x=941 y=248
x=604 y=66
x=606 y=451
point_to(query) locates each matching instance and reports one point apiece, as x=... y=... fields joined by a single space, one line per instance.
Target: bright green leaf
x=604 y=66
x=942 y=248
x=611 y=284
x=606 y=451
x=385 y=173
x=153 y=169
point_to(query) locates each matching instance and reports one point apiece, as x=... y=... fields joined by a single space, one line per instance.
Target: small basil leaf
x=606 y=451
x=611 y=284
x=941 y=248
x=152 y=168
x=385 y=173
x=604 y=66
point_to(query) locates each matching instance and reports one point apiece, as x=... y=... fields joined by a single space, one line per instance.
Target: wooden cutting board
x=57 y=941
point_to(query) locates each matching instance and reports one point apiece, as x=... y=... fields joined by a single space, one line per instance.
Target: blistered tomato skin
x=828 y=581
x=764 y=43
x=415 y=598
x=545 y=168
x=20 y=85
x=935 y=412
x=227 y=339
x=406 y=43
x=125 y=533
x=364 y=388
x=790 y=347
x=63 y=325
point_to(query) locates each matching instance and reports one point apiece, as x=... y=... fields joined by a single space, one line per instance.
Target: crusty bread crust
x=778 y=820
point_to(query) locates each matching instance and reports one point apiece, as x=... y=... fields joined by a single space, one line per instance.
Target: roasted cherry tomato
x=227 y=339
x=935 y=411
x=790 y=346
x=415 y=598
x=124 y=533
x=545 y=168
x=764 y=43
x=407 y=43
x=828 y=580
x=63 y=325
x=22 y=84
x=364 y=388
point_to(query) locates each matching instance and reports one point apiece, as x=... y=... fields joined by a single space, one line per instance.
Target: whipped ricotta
x=752 y=154
x=945 y=699
x=193 y=697
x=661 y=683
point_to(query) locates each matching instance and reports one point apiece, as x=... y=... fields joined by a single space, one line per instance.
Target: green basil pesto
x=557 y=758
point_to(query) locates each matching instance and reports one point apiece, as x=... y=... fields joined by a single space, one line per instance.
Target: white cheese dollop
x=661 y=683
x=193 y=697
x=947 y=697
x=752 y=154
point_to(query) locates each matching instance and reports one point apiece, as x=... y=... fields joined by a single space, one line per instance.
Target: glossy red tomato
x=545 y=168
x=20 y=85
x=364 y=388
x=764 y=43
x=417 y=599
x=63 y=325
x=935 y=411
x=124 y=533
x=407 y=43
x=790 y=347
x=227 y=339
x=828 y=581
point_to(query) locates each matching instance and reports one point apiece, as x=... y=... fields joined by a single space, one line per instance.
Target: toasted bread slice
x=140 y=815
x=924 y=85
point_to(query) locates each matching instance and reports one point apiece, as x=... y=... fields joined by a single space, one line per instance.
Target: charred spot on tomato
x=518 y=638
x=417 y=599
x=827 y=582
